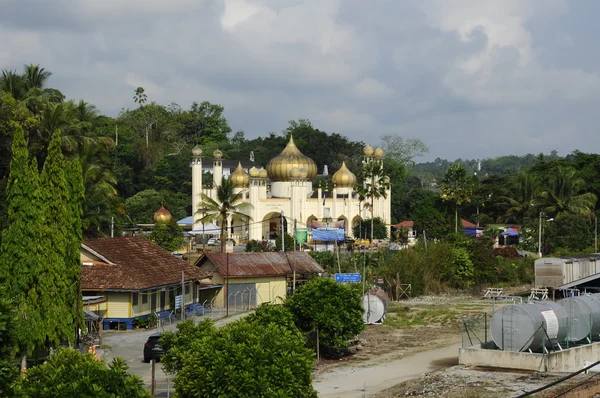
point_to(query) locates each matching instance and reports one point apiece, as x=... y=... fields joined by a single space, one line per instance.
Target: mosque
x=284 y=193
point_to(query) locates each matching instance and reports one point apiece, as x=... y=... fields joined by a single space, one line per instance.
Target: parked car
x=152 y=348
x=213 y=242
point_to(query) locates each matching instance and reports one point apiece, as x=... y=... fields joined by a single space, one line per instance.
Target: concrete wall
x=567 y=360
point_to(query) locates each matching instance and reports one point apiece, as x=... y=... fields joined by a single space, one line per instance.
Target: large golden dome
x=290 y=158
x=343 y=178
x=239 y=177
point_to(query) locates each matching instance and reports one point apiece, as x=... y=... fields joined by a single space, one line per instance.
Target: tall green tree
x=168 y=235
x=74 y=237
x=21 y=266
x=57 y=286
x=228 y=204
x=457 y=188
x=524 y=197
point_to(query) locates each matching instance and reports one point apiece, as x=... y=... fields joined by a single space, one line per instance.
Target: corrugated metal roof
x=136 y=263
x=262 y=264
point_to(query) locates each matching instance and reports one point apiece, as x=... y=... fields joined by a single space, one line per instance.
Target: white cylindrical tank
x=583 y=313
x=375 y=304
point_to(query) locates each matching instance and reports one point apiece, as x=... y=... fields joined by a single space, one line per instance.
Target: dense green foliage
x=262 y=355
x=363 y=229
x=168 y=235
x=70 y=373
x=332 y=308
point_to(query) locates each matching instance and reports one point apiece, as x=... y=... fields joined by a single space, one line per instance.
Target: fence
x=475 y=330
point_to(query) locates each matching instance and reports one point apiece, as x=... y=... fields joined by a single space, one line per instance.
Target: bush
x=253 y=357
x=332 y=308
x=70 y=373
x=259 y=246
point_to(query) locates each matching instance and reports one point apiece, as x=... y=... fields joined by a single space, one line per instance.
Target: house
x=408 y=226
x=130 y=277
x=254 y=278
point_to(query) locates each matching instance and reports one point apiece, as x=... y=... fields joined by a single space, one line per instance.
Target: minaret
x=196 y=183
x=217 y=168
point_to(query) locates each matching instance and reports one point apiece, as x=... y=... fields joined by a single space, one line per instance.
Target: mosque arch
x=271 y=225
x=346 y=225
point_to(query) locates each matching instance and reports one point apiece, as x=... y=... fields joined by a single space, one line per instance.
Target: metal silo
x=529 y=326
x=375 y=304
x=584 y=316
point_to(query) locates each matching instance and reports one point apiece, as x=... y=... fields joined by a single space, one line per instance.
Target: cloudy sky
x=471 y=78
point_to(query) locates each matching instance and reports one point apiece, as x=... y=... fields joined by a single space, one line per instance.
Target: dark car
x=152 y=348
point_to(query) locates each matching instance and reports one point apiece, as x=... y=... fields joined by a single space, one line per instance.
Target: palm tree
x=228 y=203
x=12 y=83
x=562 y=194
x=35 y=77
x=456 y=187
x=524 y=199
x=374 y=187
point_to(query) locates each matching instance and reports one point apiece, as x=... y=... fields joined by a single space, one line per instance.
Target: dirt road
x=365 y=380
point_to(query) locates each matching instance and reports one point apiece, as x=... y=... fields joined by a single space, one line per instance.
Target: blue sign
x=347 y=278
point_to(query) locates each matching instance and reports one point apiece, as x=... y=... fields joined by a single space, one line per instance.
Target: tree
x=228 y=205
x=456 y=188
x=253 y=357
x=57 y=283
x=403 y=151
x=12 y=83
x=35 y=77
x=21 y=266
x=168 y=235
x=363 y=228
x=8 y=372
x=374 y=186
x=70 y=373
x=333 y=309
x=288 y=242
x=523 y=198
x=564 y=194
x=140 y=97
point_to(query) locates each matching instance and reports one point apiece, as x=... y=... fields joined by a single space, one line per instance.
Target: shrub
x=332 y=308
x=70 y=373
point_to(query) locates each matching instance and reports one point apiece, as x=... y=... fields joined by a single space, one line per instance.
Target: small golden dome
x=162 y=215
x=343 y=178
x=368 y=150
x=217 y=154
x=303 y=174
x=378 y=153
x=197 y=151
x=386 y=179
x=253 y=172
x=262 y=173
x=239 y=177
x=280 y=166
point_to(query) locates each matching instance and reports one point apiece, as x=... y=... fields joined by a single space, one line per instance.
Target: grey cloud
x=472 y=78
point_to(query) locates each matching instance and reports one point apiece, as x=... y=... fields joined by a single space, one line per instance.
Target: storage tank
x=375 y=304
x=523 y=327
x=583 y=314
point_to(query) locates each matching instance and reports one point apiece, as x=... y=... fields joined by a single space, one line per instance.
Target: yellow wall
x=269 y=289
x=118 y=305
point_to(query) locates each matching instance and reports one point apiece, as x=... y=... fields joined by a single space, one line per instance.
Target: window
x=153 y=301
x=187 y=289
x=144 y=298
x=162 y=299
x=135 y=299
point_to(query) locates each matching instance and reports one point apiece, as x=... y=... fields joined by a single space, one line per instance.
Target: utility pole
x=282 y=233
x=295 y=225
x=540 y=236
x=182 y=297
x=596 y=234
x=227 y=287
x=112 y=227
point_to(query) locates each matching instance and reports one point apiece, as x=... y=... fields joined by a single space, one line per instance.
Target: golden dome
x=378 y=153
x=368 y=150
x=296 y=172
x=262 y=173
x=217 y=154
x=386 y=179
x=162 y=215
x=197 y=151
x=253 y=172
x=343 y=178
x=239 y=177
x=280 y=166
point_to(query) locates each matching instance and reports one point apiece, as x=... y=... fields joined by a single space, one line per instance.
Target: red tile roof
x=262 y=264
x=132 y=263
x=467 y=224
x=404 y=224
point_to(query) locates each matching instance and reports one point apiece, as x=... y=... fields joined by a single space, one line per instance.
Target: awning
x=210 y=287
x=90 y=316
x=207 y=229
